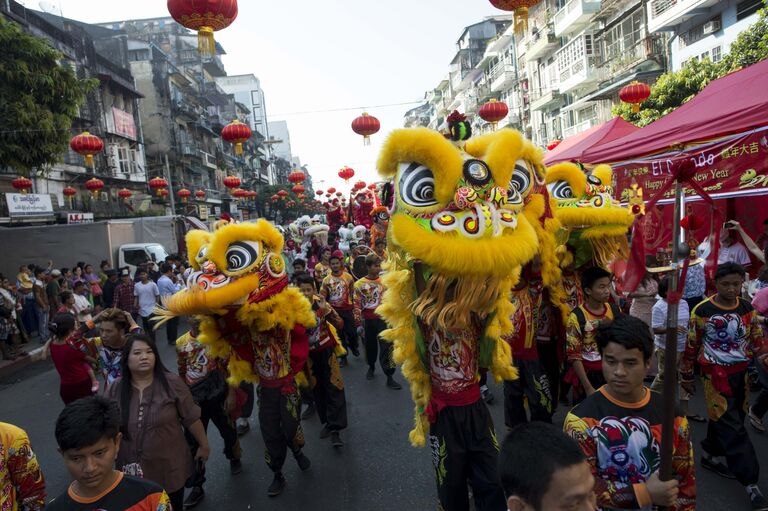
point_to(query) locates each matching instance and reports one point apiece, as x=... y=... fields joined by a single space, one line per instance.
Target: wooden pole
x=670 y=350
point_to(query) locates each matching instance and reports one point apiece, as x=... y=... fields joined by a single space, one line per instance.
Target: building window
x=124 y=160
x=624 y=36
x=697 y=33
x=705 y=55
x=255 y=98
x=747 y=8
x=717 y=54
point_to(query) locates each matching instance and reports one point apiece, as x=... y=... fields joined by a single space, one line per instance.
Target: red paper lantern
x=232 y=182
x=184 y=194
x=691 y=223
x=359 y=185
x=635 y=93
x=157 y=184
x=282 y=194
x=553 y=144
x=163 y=192
x=297 y=189
x=327 y=194
x=331 y=190
x=204 y=16
x=22 y=184
x=124 y=194
x=365 y=126
x=296 y=176
x=239 y=193
x=521 y=11
x=200 y=194
x=236 y=133
x=346 y=173
x=94 y=185
x=69 y=191
x=302 y=196
x=493 y=111
x=339 y=194
x=275 y=198
x=86 y=145
x=319 y=193
x=372 y=186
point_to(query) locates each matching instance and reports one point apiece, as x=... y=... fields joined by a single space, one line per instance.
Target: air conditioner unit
x=711 y=27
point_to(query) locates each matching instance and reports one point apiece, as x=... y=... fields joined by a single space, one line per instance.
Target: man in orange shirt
x=338 y=290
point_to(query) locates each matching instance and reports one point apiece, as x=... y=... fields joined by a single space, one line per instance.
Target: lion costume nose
x=209 y=268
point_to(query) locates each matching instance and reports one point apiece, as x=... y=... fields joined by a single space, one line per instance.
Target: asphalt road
x=377 y=469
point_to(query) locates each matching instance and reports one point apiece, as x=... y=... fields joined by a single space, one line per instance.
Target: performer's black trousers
x=550 y=364
x=532 y=384
x=280 y=425
x=727 y=436
x=374 y=346
x=465 y=450
x=348 y=332
x=214 y=411
x=328 y=390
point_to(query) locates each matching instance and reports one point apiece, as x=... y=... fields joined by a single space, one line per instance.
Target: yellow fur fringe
x=195 y=240
x=570 y=172
x=284 y=310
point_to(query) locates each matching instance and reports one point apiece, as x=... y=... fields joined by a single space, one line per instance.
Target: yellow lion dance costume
x=253 y=319
x=458 y=236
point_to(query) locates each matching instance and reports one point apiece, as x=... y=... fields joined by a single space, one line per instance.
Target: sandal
x=696 y=418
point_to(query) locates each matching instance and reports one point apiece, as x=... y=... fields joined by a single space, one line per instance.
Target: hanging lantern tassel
x=239 y=148
x=89 y=160
x=206 y=44
x=521 y=21
x=635 y=107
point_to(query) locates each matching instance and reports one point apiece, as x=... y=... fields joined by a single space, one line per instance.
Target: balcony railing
x=664 y=15
x=575 y=15
x=541 y=43
x=577 y=63
x=209 y=160
x=648 y=48
x=501 y=75
x=580 y=127
x=543 y=98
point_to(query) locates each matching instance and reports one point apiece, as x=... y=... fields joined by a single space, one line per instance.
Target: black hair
x=300 y=261
x=305 y=278
x=39 y=270
x=84 y=422
x=381 y=241
x=62 y=325
x=725 y=269
x=664 y=286
x=64 y=271
x=529 y=457
x=592 y=275
x=103 y=263
x=126 y=382
x=166 y=267
x=627 y=331
x=78 y=284
x=372 y=259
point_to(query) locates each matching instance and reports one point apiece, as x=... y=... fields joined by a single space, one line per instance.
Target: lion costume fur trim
x=195 y=239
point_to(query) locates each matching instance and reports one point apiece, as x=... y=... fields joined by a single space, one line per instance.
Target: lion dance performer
x=457 y=240
x=250 y=315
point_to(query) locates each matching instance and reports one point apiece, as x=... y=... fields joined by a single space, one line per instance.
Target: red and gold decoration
x=298 y=189
x=275 y=198
x=493 y=111
x=232 y=182
x=205 y=17
x=635 y=93
x=521 y=12
x=372 y=187
x=553 y=144
x=200 y=194
x=331 y=190
x=184 y=195
x=236 y=133
x=157 y=184
x=22 y=184
x=365 y=126
x=346 y=173
x=86 y=145
x=635 y=199
x=124 y=194
x=163 y=193
x=319 y=193
x=239 y=194
x=359 y=185
x=94 y=185
x=282 y=194
x=69 y=192
x=339 y=194
x=296 y=177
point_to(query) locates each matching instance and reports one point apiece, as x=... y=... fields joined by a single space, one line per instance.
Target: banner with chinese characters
x=731 y=166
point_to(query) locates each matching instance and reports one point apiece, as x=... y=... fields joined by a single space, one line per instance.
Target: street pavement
x=377 y=469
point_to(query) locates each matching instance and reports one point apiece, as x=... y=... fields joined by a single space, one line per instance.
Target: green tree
x=39 y=98
x=674 y=88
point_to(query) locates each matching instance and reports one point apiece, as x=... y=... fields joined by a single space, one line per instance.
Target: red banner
x=735 y=165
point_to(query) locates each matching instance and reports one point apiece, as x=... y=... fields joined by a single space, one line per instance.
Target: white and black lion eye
x=594 y=180
x=241 y=254
x=416 y=185
x=201 y=254
x=521 y=178
x=561 y=190
x=476 y=172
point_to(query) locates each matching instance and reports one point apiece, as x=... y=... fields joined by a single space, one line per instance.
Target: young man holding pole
x=619 y=428
x=725 y=336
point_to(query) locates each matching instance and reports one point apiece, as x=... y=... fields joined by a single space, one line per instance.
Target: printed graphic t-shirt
x=127 y=493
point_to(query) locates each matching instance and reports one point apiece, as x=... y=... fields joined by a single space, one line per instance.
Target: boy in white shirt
x=147 y=294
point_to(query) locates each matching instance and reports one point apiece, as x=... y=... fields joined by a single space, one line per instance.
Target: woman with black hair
x=72 y=364
x=154 y=405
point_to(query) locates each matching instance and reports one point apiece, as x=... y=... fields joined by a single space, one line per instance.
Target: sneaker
x=486 y=394
x=243 y=426
x=235 y=467
x=309 y=412
x=325 y=432
x=303 y=461
x=392 y=384
x=758 y=502
x=195 y=496
x=342 y=361
x=336 y=439
x=756 y=421
x=369 y=374
x=277 y=486
x=717 y=467
x=355 y=351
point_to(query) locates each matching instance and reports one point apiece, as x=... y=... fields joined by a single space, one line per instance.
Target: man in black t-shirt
x=87 y=432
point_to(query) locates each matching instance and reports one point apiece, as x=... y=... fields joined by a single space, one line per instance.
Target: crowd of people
x=605 y=362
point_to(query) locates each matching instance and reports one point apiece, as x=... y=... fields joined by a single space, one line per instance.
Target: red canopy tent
x=734 y=103
x=573 y=148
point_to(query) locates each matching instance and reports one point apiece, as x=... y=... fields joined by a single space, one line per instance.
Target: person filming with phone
x=731 y=250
